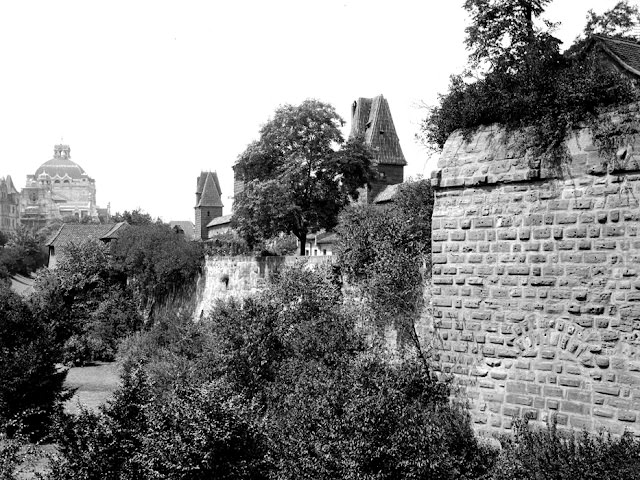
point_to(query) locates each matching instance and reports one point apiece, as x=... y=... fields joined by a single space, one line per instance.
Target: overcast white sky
x=149 y=93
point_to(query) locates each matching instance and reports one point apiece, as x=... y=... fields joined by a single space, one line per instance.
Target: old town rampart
x=536 y=279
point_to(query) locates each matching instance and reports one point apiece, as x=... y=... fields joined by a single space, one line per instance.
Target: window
x=324 y=251
x=315 y=252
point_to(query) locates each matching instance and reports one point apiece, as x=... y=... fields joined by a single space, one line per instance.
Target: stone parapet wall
x=536 y=287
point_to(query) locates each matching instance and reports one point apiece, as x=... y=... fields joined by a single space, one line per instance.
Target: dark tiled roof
x=387 y=194
x=187 y=227
x=371 y=119
x=625 y=53
x=76 y=233
x=220 y=220
x=210 y=192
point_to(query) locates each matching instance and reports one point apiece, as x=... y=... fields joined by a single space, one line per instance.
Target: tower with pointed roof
x=371 y=120
x=208 y=202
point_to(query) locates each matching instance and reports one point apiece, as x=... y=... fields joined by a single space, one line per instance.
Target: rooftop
x=75 y=233
x=371 y=120
x=626 y=53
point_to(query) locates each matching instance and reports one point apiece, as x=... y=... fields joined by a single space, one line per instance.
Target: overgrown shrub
x=31 y=386
x=86 y=303
x=157 y=263
x=387 y=252
x=541 y=454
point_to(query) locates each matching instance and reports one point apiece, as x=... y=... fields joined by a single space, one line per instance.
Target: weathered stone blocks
x=547 y=270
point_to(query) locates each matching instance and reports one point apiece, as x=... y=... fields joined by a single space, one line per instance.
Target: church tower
x=208 y=202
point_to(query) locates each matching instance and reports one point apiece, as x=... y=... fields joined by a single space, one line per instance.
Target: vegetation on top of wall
x=522 y=81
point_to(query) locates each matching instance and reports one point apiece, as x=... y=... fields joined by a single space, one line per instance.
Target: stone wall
x=536 y=288
x=241 y=276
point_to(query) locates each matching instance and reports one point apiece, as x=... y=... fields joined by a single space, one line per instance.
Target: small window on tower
x=208 y=214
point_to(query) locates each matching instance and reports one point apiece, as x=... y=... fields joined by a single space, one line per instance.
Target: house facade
x=9 y=205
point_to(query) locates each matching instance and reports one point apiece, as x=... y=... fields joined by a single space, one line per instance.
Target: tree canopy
x=502 y=29
x=295 y=179
x=529 y=83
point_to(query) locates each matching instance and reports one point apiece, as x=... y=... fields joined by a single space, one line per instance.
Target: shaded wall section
x=536 y=287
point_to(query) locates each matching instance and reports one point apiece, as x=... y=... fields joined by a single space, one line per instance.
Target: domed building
x=58 y=188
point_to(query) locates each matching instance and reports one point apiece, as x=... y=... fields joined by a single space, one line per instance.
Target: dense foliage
x=279 y=386
x=295 y=182
x=386 y=252
x=157 y=262
x=31 y=386
x=528 y=84
x=21 y=252
x=87 y=303
x=540 y=454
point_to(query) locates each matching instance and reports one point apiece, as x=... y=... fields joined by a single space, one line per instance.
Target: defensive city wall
x=536 y=279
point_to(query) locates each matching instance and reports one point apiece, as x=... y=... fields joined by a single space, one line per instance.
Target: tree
x=502 y=31
x=531 y=87
x=134 y=217
x=31 y=386
x=295 y=182
x=86 y=303
x=23 y=253
x=156 y=261
x=618 y=21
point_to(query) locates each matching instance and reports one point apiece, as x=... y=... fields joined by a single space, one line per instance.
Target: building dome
x=61 y=165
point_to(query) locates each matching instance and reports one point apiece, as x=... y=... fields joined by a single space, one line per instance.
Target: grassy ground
x=94 y=385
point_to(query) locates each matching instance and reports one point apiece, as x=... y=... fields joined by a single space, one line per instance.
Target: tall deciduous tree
x=295 y=180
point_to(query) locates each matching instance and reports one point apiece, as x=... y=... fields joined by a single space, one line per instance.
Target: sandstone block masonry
x=536 y=281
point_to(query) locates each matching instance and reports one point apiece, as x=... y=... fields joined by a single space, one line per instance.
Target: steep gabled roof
x=76 y=233
x=625 y=53
x=371 y=119
x=210 y=190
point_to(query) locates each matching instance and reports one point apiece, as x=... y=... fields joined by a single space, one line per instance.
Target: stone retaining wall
x=241 y=276
x=536 y=287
